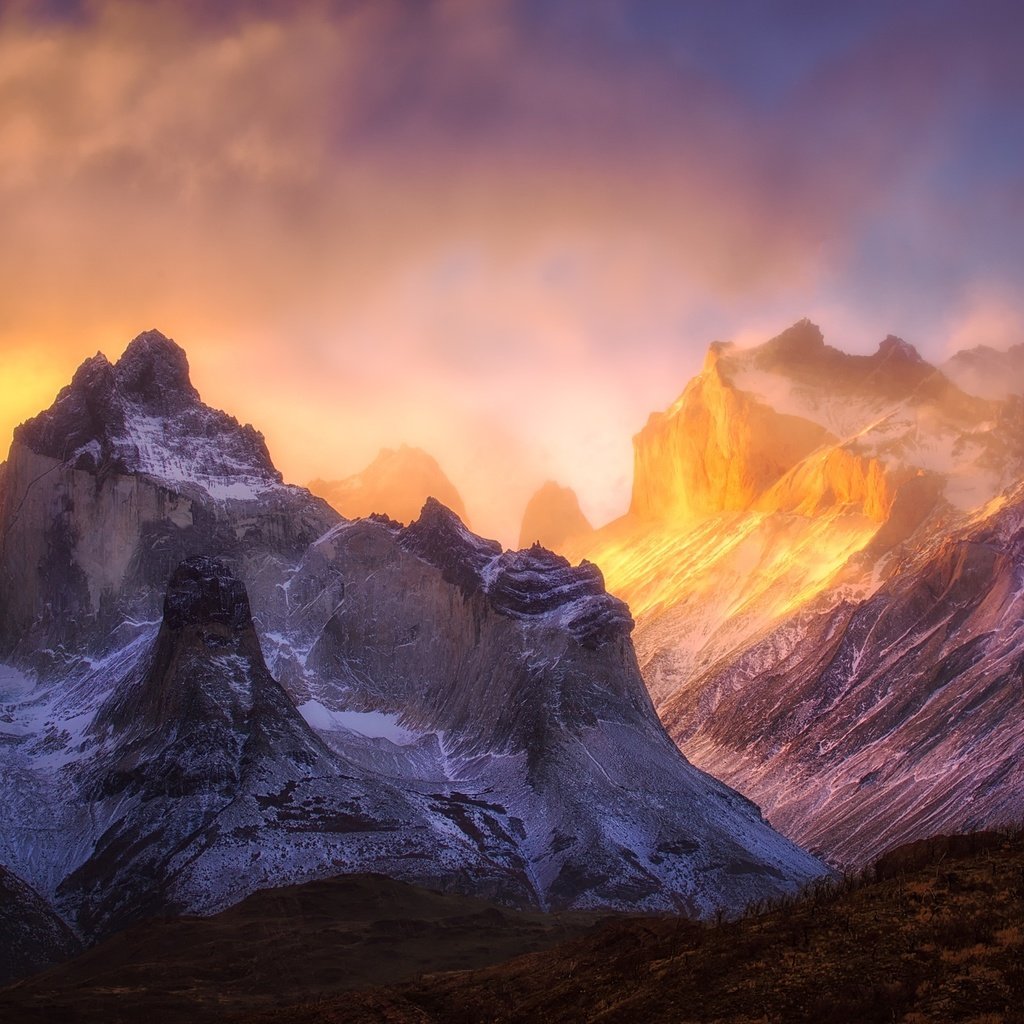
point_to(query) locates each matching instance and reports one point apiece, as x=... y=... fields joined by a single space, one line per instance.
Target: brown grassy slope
x=939 y=938
x=280 y=946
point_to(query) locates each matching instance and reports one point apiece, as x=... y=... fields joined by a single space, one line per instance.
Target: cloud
x=376 y=222
x=988 y=317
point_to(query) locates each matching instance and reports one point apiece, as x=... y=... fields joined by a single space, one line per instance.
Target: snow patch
x=374 y=724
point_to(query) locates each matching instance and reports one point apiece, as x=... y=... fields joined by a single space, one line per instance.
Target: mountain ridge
x=725 y=583
x=407 y=697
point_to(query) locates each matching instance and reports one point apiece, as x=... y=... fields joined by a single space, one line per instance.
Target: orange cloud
x=384 y=222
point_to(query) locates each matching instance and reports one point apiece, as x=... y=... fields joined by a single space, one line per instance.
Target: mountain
x=216 y=684
x=127 y=474
x=866 y=723
x=219 y=786
x=34 y=936
x=395 y=484
x=988 y=372
x=553 y=518
x=786 y=486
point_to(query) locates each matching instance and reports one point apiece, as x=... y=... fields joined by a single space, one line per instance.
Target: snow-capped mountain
x=787 y=484
x=211 y=688
x=107 y=491
x=553 y=518
x=395 y=484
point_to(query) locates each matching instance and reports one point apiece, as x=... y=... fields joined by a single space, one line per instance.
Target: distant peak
x=896 y=348
x=553 y=517
x=404 y=453
x=155 y=368
x=552 y=487
x=803 y=338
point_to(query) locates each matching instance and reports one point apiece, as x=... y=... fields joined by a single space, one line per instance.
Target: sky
x=502 y=230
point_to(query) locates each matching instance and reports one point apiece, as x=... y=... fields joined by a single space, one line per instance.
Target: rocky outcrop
x=553 y=518
x=34 y=936
x=395 y=484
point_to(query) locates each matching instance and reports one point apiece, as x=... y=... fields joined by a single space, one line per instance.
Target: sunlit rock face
x=395 y=484
x=789 y=482
x=213 y=683
x=866 y=723
x=553 y=518
x=717 y=448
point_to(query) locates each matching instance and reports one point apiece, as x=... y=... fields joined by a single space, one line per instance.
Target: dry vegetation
x=934 y=933
x=937 y=934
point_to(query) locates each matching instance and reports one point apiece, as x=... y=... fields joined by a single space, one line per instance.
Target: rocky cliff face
x=553 y=518
x=717 y=448
x=531 y=682
x=212 y=784
x=315 y=696
x=395 y=484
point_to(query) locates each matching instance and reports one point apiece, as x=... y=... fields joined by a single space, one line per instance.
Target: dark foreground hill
x=938 y=936
x=279 y=947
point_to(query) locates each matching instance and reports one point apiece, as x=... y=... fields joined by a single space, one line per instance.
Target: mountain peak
x=439 y=537
x=142 y=415
x=893 y=347
x=206 y=658
x=395 y=483
x=154 y=369
x=802 y=339
x=553 y=517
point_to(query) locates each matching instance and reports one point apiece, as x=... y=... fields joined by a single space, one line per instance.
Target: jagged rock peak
x=206 y=655
x=439 y=537
x=155 y=369
x=803 y=338
x=142 y=415
x=521 y=584
x=96 y=372
x=204 y=590
x=893 y=347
